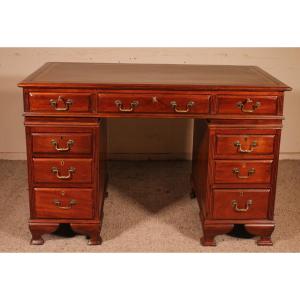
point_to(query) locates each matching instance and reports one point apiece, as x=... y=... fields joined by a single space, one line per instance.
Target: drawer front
x=247 y=105
x=242 y=145
x=65 y=203
x=60 y=143
x=241 y=204
x=146 y=103
x=67 y=170
x=243 y=171
x=60 y=102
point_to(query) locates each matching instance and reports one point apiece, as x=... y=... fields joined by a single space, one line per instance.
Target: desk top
x=152 y=76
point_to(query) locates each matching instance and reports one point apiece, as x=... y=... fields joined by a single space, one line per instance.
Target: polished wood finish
x=87 y=186
x=37 y=230
x=64 y=203
x=92 y=231
x=154 y=103
x=58 y=102
x=250 y=204
x=264 y=231
x=228 y=171
x=216 y=186
x=231 y=104
x=244 y=145
x=56 y=143
x=238 y=112
x=43 y=173
x=211 y=230
x=62 y=141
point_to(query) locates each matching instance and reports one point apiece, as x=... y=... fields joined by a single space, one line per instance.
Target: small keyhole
x=62 y=162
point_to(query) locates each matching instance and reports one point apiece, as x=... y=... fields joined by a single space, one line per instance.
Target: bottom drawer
x=241 y=204
x=63 y=203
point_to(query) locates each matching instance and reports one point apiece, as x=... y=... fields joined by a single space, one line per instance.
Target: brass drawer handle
x=236 y=172
x=241 y=150
x=241 y=105
x=188 y=107
x=55 y=171
x=236 y=208
x=67 y=104
x=70 y=143
x=133 y=104
x=69 y=206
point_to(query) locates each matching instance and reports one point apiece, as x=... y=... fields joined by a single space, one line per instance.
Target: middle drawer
x=153 y=103
x=67 y=170
x=243 y=171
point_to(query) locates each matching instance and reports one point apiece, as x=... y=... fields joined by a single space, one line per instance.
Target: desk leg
x=38 y=229
x=193 y=191
x=264 y=231
x=210 y=231
x=92 y=231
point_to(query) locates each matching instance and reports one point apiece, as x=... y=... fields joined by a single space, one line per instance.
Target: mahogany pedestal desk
x=237 y=112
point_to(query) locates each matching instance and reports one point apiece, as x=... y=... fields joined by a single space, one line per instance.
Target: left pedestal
x=66 y=160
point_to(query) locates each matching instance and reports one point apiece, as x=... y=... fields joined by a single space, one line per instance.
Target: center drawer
x=67 y=170
x=67 y=203
x=243 y=171
x=153 y=103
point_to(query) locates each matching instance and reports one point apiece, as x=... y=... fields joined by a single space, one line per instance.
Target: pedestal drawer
x=67 y=203
x=240 y=204
x=46 y=170
x=77 y=143
x=243 y=171
x=59 y=102
x=244 y=145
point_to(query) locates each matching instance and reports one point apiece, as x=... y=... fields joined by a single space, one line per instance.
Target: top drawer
x=244 y=145
x=153 y=103
x=59 y=102
x=247 y=105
